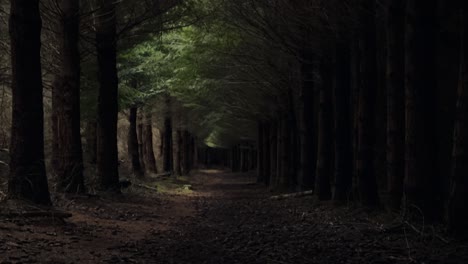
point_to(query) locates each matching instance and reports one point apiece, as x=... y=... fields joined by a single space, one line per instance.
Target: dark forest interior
x=222 y=131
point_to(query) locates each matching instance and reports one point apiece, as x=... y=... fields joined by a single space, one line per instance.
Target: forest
x=247 y=131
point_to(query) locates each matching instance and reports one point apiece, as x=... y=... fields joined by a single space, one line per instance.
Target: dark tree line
x=371 y=118
x=358 y=106
x=28 y=179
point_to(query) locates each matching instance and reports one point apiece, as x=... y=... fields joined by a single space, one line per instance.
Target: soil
x=218 y=217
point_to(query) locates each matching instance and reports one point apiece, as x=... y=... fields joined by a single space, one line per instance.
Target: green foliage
x=210 y=68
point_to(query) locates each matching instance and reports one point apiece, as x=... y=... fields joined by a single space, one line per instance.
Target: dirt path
x=226 y=218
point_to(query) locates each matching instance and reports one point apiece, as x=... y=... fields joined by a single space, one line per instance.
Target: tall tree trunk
x=279 y=151
x=195 y=153
x=148 y=149
x=325 y=143
x=167 y=145
x=233 y=159
x=91 y=141
x=132 y=143
x=292 y=142
x=177 y=152
x=183 y=153
x=356 y=84
x=343 y=127
x=107 y=159
x=186 y=151
x=420 y=168
x=260 y=153
x=308 y=154
x=395 y=102
x=273 y=154
x=193 y=148
x=285 y=177
x=457 y=207
x=54 y=162
x=28 y=178
x=266 y=153
x=367 y=96
x=66 y=110
x=140 y=137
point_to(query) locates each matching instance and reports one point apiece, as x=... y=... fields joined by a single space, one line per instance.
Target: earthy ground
x=217 y=218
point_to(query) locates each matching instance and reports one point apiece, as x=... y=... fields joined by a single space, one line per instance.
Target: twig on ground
x=292 y=195
x=147 y=187
x=422 y=234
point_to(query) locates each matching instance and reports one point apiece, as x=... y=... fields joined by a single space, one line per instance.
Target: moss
x=179 y=185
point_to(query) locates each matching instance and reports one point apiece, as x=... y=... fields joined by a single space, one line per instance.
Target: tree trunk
x=395 y=102
x=457 y=208
x=260 y=153
x=266 y=153
x=279 y=151
x=148 y=150
x=273 y=154
x=195 y=154
x=91 y=141
x=366 y=112
x=167 y=143
x=66 y=110
x=246 y=160
x=132 y=143
x=177 y=152
x=325 y=141
x=28 y=178
x=343 y=127
x=186 y=150
x=140 y=135
x=192 y=149
x=356 y=84
x=285 y=177
x=292 y=143
x=107 y=158
x=308 y=154
x=420 y=150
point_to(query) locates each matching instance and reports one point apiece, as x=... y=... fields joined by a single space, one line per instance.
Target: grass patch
x=180 y=185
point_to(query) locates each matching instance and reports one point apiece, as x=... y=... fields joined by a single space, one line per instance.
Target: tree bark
x=132 y=143
x=167 y=145
x=324 y=168
x=66 y=105
x=343 y=127
x=285 y=174
x=186 y=154
x=177 y=152
x=395 y=102
x=307 y=117
x=28 y=178
x=91 y=141
x=260 y=153
x=279 y=151
x=420 y=71
x=195 y=153
x=140 y=135
x=148 y=150
x=107 y=158
x=273 y=154
x=366 y=112
x=266 y=153
x=457 y=207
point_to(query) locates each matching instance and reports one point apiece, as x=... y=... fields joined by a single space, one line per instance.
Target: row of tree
x=356 y=100
x=82 y=32
x=363 y=104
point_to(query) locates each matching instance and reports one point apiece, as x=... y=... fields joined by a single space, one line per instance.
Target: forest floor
x=217 y=217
